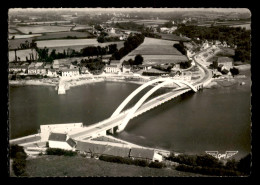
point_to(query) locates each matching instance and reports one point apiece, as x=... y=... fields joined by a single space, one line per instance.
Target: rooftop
x=71 y=142
x=67 y=70
x=57 y=137
x=114 y=61
x=111 y=65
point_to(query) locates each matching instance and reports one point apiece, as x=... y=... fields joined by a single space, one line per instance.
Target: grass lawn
x=56 y=166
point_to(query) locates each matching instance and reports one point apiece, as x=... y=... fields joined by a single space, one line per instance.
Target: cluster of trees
x=162 y=68
x=234 y=71
x=130 y=44
x=185 y=65
x=129 y=26
x=27 y=45
x=147 y=33
x=129 y=161
x=180 y=47
x=94 y=65
x=58 y=151
x=103 y=39
x=137 y=61
x=18 y=156
x=209 y=165
x=232 y=35
x=168 y=24
x=43 y=54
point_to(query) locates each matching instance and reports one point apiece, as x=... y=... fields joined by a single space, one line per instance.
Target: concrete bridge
x=119 y=119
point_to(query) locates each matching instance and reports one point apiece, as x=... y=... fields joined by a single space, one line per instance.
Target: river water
x=212 y=119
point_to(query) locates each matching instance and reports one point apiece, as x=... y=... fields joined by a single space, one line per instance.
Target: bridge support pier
x=111 y=131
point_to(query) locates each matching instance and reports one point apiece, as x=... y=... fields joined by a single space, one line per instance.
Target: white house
x=84 y=70
x=41 y=70
x=112 y=68
x=70 y=72
x=55 y=64
x=32 y=70
x=51 y=73
x=126 y=69
x=62 y=141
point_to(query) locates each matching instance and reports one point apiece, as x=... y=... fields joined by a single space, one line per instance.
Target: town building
x=47 y=66
x=46 y=130
x=145 y=154
x=126 y=69
x=84 y=70
x=55 y=64
x=70 y=72
x=40 y=70
x=111 y=69
x=51 y=73
x=32 y=70
x=61 y=141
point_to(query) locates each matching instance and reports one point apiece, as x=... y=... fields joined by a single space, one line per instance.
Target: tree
x=234 y=71
x=112 y=48
x=138 y=59
x=101 y=39
x=244 y=164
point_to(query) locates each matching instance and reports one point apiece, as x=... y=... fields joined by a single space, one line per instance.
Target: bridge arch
x=147 y=95
x=139 y=89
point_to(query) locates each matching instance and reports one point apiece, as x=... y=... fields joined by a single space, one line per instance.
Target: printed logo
x=218 y=155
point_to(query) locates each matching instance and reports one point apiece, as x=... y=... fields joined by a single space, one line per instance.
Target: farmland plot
x=152 y=41
x=60 y=35
x=156 y=50
x=12 y=31
x=42 y=29
x=21 y=54
x=66 y=42
x=16 y=36
x=79 y=47
x=15 y=43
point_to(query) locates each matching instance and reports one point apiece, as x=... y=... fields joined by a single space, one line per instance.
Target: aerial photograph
x=129 y=92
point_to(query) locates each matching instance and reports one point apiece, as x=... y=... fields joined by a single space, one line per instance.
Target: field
x=147 y=22
x=226 y=52
x=12 y=31
x=157 y=51
x=66 y=42
x=172 y=37
x=15 y=43
x=81 y=27
x=76 y=44
x=42 y=29
x=16 y=36
x=21 y=54
x=62 y=35
x=57 y=166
